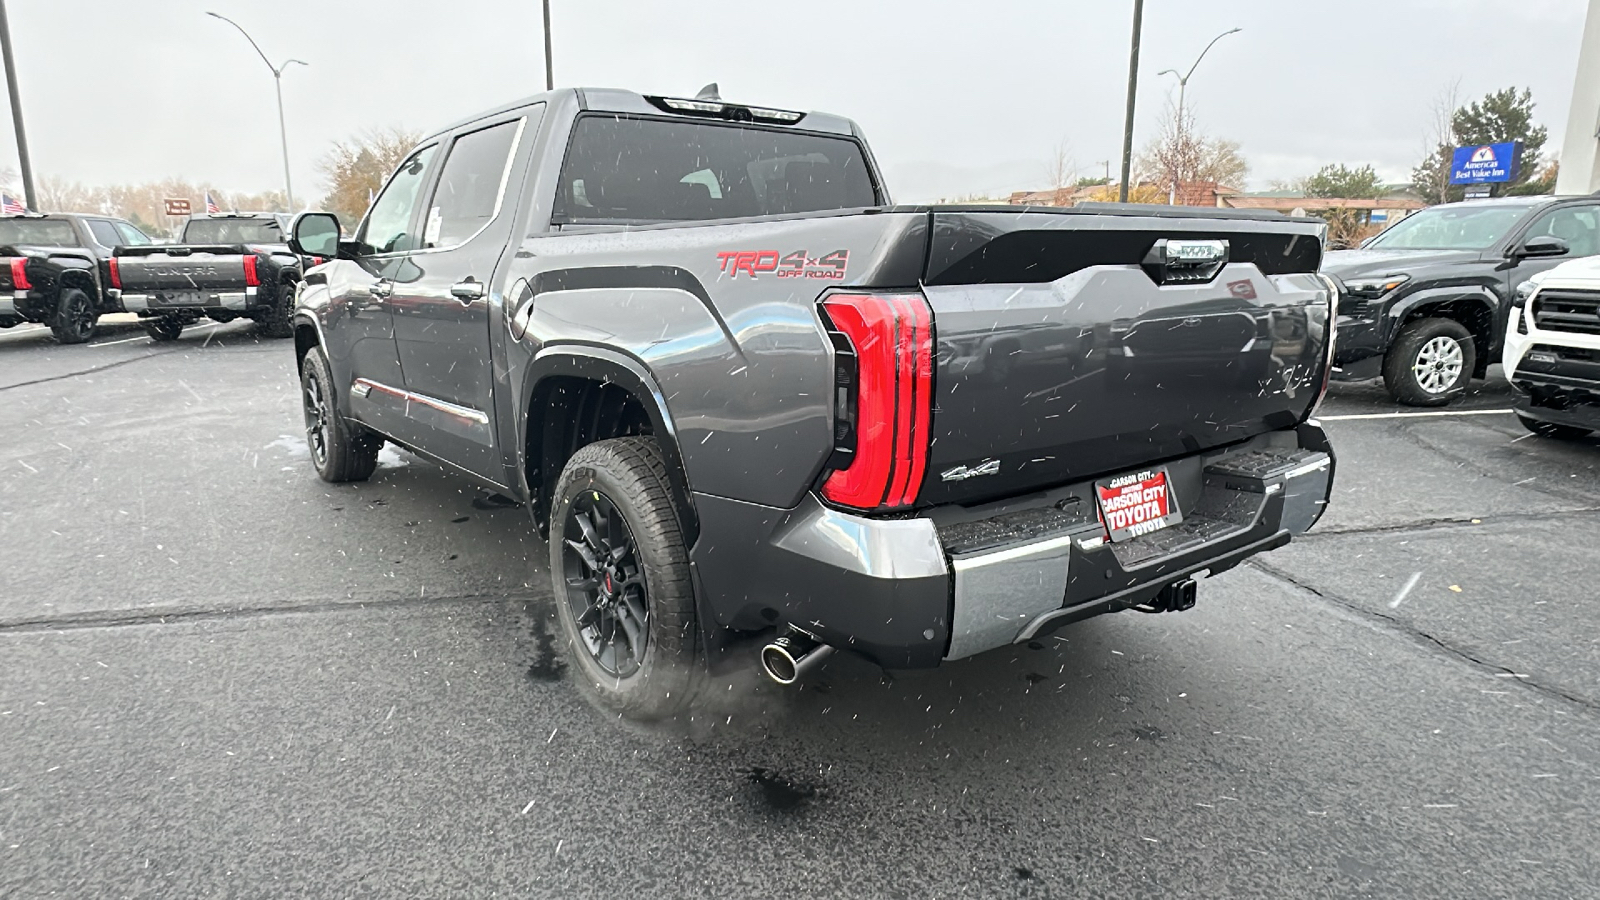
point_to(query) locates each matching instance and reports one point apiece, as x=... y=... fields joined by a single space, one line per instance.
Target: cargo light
x=731 y=111
x=882 y=398
x=19 y=275
x=250 y=277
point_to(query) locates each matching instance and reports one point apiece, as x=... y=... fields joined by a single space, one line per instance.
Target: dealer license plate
x=1137 y=504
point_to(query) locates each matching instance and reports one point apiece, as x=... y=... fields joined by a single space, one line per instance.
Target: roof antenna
x=709 y=92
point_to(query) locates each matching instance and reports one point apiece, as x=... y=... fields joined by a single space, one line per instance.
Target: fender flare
x=1402 y=308
x=612 y=367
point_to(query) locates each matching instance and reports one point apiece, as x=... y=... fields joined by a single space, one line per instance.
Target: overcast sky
x=957 y=97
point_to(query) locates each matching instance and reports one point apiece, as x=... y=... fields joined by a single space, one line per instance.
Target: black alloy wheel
x=341 y=450
x=318 y=420
x=75 y=317
x=607 y=592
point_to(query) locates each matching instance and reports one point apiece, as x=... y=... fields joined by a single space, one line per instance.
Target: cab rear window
x=633 y=170
x=41 y=232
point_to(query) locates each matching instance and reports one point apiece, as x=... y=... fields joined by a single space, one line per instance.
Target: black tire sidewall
x=71 y=296
x=663 y=685
x=166 y=328
x=1398 y=375
x=351 y=456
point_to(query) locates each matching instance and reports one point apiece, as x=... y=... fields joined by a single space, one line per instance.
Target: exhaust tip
x=779 y=664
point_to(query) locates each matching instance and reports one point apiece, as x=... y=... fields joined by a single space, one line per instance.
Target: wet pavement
x=222 y=677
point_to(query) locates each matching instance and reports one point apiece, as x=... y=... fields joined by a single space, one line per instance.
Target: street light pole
x=277 y=78
x=16 y=112
x=1183 y=86
x=1133 y=89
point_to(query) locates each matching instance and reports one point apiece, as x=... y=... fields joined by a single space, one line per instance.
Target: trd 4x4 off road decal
x=798 y=264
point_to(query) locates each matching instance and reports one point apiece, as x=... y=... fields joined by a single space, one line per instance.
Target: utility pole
x=1133 y=90
x=549 y=67
x=277 y=79
x=16 y=112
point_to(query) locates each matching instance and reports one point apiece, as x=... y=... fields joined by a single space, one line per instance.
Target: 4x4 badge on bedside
x=962 y=473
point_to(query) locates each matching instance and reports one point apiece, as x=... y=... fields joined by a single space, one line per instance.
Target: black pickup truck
x=1425 y=303
x=225 y=266
x=54 y=270
x=730 y=380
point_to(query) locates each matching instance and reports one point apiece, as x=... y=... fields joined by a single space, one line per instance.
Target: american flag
x=9 y=206
x=211 y=205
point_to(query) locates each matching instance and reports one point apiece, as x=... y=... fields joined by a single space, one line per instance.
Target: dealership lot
x=223 y=677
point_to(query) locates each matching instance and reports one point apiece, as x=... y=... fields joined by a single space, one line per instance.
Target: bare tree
x=1432 y=177
x=1180 y=153
x=1061 y=170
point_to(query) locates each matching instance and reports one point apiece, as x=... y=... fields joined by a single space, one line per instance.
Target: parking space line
x=146 y=337
x=1419 y=415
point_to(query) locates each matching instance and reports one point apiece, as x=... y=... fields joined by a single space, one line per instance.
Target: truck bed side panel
x=736 y=346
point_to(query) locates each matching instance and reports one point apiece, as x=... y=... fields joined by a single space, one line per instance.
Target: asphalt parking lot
x=223 y=677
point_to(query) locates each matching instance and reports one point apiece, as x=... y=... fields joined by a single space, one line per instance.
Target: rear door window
x=471 y=184
x=104 y=233
x=624 y=169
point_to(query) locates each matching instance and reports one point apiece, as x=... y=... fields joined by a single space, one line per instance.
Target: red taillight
x=892 y=336
x=316 y=260
x=19 y=274
x=250 y=277
x=116 y=272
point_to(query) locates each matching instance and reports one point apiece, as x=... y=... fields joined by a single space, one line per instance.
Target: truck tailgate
x=1066 y=350
x=181 y=268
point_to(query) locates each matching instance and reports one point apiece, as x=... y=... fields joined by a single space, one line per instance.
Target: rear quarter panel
x=737 y=350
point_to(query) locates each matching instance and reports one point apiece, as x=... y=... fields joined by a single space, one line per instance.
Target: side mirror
x=315 y=234
x=1543 y=245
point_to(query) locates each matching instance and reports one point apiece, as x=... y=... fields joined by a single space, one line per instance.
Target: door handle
x=467 y=291
x=381 y=289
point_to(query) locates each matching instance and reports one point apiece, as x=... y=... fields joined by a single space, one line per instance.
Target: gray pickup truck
x=739 y=389
x=225 y=266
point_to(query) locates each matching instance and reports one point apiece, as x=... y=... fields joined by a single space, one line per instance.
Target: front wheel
x=621 y=579
x=1552 y=430
x=340 y=451
x=1430 y=363
x=75 y=317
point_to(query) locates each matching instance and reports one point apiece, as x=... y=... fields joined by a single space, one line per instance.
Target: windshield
x=232 y=231
x=41 y=232
x=1451 y=228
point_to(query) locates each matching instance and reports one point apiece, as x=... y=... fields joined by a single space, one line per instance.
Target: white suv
x=1552 y=350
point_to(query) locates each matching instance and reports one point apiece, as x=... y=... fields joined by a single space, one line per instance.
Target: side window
x=1579 y=226
x=388 y=225
x=471 y=184
x=131 y=236
x=104 y=234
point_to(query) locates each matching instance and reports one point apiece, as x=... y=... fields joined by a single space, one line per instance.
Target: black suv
x=54 y=270
x=1424 y=304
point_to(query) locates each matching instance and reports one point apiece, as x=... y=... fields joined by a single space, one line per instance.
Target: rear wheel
x=1430 y=363
x=621 y=573
x=340 y=451
x=274 y=321
x=1552 y=430
x=75 y=317
x=163 y=328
